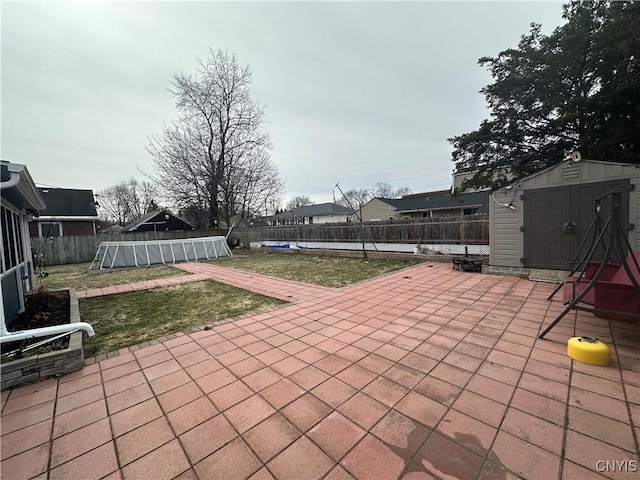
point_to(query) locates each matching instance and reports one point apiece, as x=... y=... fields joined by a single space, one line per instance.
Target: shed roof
x=129 y=227
x=565 y=164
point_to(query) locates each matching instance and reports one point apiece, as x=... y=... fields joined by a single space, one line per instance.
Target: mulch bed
x=42 y=309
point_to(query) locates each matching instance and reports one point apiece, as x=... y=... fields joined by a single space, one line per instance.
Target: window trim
x=49 y=222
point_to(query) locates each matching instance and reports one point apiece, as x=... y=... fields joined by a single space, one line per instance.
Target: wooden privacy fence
x=82 y=248
x=471 y=230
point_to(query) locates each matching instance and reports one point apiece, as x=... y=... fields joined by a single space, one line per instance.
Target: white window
x=50 y=229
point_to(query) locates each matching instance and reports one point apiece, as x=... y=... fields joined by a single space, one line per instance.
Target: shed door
x=557 y=219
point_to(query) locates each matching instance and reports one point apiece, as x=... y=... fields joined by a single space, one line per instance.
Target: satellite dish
x=576 y=157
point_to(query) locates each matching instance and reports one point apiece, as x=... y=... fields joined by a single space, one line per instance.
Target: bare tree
x=356 y=197
x=251 y=182
x=298 y=201
x=382 y=190
x=143 y=196
x=183 y=170
x=215 y=157
x=113 y=203
x=127 y=201
x=401 y=192
x=385 y=190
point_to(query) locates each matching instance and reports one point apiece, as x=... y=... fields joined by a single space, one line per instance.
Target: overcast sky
x=355 y=93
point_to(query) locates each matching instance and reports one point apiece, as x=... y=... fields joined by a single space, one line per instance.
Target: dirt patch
x=42 y=309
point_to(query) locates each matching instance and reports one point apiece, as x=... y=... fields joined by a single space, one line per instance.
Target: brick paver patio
x=422 y=373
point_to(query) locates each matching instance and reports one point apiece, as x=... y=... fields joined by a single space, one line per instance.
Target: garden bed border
x=46 y=365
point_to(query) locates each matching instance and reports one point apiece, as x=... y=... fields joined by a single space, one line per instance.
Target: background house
x=426 y=205
x=540 y=221
x=68 y=212
x=313 y=214
x=19 y=199
x=255 y=222
x=460 y=176
x=158 y=221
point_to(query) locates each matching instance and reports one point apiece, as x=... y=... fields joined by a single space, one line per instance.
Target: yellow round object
x=588 y=350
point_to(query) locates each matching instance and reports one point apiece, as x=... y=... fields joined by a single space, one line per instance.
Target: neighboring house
x=68 y=212
x=255 y=222
x=19 y=200
x=234 y=221
x=426 y=205
x=460 y=176
x=113 y=230
x=540 y=222
x=158 y=221
x=313 y=214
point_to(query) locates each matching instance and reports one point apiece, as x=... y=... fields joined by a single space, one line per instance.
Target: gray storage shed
x=539 y=222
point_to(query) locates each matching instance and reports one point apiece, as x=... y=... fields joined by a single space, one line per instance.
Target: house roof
x=439 y=201
x=68 y=202
x=394 y=202
x=422 y=194
x=318 y=210
x=18 y=188
x=129 y=227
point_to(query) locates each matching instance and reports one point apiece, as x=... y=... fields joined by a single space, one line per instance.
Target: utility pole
x=364 y=251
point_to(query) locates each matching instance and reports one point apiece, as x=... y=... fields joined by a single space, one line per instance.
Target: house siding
x=438 y=213
x=507 y=242
x=460 y=177
x=449 y=212
x=413 y=215
x=376 y=209
x=77 y=228
x=337 y=218
x=68 y=228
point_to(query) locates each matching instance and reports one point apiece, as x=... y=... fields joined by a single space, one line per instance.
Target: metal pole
x=574 y=302
x=364 y=251
x=596 y=228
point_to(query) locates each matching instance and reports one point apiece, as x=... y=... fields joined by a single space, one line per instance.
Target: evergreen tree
x=576 y=89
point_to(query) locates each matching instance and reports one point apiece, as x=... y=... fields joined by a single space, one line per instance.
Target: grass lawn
x=127 y=319
x=320 y=270
x=77 y=276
